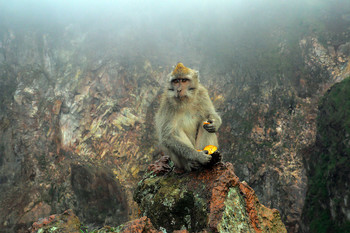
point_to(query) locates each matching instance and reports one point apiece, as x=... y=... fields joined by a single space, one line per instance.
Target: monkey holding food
x=186 y=121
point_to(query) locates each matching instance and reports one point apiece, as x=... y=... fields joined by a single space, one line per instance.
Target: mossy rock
x=212 y=200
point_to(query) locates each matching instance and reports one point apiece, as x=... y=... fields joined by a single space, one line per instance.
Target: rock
x=99 y=195
x=141 y=225
x=39 y=210
x=66 y=222
x=212 y=200
x=69 y=222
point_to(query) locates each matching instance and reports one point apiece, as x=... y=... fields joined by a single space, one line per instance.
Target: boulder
x=208 y=200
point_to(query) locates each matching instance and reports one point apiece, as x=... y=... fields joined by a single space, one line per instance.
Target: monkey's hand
x=200 y=160
x=210 y=126
x=203 y=157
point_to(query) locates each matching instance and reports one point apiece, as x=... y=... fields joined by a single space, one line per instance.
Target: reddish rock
x=37 y=211
x=141 y=225
x=212 y=200
x=66 y=222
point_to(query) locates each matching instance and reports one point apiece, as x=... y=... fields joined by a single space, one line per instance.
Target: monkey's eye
x=184 y=80
x=175 y=80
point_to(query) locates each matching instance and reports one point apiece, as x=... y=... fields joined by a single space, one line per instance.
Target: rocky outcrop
x=141 y=225
x=210 y=200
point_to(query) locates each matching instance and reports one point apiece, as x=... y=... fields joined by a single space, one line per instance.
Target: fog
x=194 y=32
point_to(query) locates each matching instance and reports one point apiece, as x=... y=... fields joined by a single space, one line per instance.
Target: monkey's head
x=183 y=83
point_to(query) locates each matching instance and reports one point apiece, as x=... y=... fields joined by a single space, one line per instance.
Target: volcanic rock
x=212 y=200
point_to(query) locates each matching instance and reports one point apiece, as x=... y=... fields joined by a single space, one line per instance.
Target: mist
x=194 y=32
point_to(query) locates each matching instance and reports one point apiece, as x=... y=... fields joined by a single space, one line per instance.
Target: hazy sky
x=179 y=28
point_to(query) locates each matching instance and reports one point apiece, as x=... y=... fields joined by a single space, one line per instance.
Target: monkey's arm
x=214 y=121
x=177 y=145
x=212 y=116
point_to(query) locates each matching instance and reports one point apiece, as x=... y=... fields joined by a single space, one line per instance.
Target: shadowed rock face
x=212 y=200
x=100 y=198
x=327 y=207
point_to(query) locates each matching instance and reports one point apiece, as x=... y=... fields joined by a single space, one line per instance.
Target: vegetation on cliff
x=327 y=207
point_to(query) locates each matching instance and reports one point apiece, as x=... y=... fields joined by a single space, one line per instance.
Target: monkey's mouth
x=181 y=98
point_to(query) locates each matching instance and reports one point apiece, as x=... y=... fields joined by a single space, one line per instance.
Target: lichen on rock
x=212 y=200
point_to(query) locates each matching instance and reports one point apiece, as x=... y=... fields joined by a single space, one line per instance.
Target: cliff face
x=77 y=106
x=274 y=135
x=66 y=134
x=327 y=207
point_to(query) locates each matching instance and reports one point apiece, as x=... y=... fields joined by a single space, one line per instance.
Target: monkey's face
x=182 y=88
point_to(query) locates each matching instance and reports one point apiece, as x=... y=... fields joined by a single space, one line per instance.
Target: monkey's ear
x=196 y=74
x=170 y=77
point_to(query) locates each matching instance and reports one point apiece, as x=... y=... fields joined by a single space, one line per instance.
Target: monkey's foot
x=178 y=170
x=215 y=158
x=161 y=166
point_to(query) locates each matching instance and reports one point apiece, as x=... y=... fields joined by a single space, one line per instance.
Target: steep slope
x=327 y=208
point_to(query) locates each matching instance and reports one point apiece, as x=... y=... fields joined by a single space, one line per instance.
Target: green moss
x=182 y=207
x=266 y=144
x=8 y=84
x=329 y=163
x=2 y=154
x=322 y=224
x=42 y=161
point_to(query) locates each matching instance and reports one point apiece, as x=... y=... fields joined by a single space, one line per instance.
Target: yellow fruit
x=211 y=149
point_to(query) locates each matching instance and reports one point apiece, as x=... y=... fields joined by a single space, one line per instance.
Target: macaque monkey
x=185 y=106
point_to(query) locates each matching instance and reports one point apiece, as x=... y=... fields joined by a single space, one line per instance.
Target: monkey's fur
x=185 y=105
